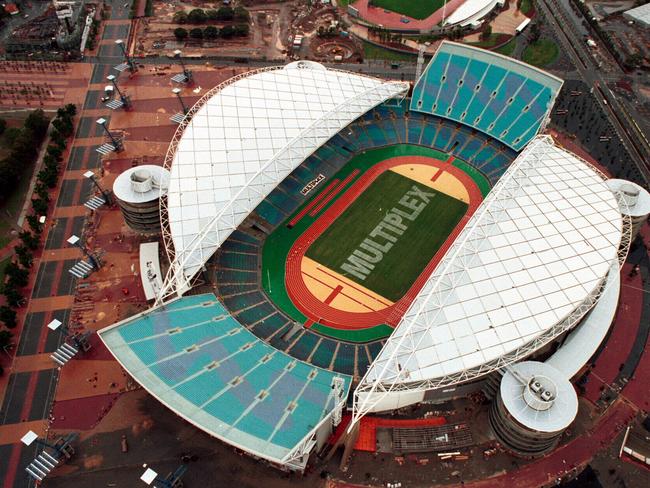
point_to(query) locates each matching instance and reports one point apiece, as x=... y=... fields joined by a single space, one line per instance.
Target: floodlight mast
x=105 y=193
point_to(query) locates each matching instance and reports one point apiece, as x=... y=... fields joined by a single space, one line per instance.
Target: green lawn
x=526 y=6
x=395 y=272
x=508 y=48
x=540 y=53
x=416 y=9
x=370 y=51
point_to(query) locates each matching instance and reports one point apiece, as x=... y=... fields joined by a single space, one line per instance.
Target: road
x=574 y=45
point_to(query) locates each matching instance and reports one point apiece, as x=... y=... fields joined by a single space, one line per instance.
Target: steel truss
x=178 y=279
x=369 y=392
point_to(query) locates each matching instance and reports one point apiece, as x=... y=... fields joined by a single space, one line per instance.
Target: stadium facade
x=532 y=274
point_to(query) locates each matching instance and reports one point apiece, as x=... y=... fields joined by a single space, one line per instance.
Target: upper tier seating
x=502 y=97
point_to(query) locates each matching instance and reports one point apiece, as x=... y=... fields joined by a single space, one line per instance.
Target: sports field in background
x=393 y=275
x=416 y=9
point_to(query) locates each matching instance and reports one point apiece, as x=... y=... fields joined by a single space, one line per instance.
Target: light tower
x=128 y=62
x=186 y=75
x=124 y=100
x=116 y=143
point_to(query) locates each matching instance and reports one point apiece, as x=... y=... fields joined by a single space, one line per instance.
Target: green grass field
x=416 y=9
x=541 y=53
x=371 y=51
x=394 y=274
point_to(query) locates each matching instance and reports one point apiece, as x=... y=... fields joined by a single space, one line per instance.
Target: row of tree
x=211 y=32
x=17 y=271
x=23 y=150
x=200 y=16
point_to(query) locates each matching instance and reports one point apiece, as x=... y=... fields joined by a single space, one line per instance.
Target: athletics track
x=320 y=312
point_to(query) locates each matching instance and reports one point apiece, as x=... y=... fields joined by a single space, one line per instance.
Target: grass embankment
x=541 y=53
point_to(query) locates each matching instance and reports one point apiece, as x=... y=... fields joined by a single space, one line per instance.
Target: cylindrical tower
x=635 y=199
x=535 y=404
x=137 y=191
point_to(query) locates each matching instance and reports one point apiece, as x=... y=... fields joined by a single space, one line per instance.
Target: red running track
x=322 y=313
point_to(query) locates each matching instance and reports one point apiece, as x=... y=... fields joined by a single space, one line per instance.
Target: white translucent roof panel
x=536 y=249
x=246 y=137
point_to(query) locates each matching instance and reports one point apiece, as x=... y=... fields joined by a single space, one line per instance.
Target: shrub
x=241 y=14
x=196 y=33
x=180 y=33
x=180 y=17
x=241 y=30
x=212 y=14
x=8 y=317
x=225 y=13
x=197 y=16
x=211 y=32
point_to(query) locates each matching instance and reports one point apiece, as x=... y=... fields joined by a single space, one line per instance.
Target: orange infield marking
x=329 y=298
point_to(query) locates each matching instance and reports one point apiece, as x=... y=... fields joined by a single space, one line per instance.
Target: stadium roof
x=196 y=359
x=639 y=14
x=244 y=137
x=500 y=96
x=471 y=11
x=526 y=267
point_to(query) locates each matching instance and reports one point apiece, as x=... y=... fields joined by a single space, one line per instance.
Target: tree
x=212 y=14
x=196 y=33
x=241 y=30
x=241 y=14
x=211 y=32
x=225 y=13
x=5 y=339
x=37 y=122
x=180 y=18
x=34 y=224
x=535 y=31
x=25 y=257
x=227 y=31
x=3 y=126
x=28 y=239
x=8 y=317
x=17 y=276
x=63 y=125
x=180 y=33
x=197 y=16
x=71 y=109
x=55 y=152
x=57 y=139
x=13 y=296
x=486 y=33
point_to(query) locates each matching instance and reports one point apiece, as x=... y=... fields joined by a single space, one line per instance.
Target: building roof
x=640 y=14
x=637 y=198
x=196 y=359
x=470 y=11
x=535 y=415
x=502 y=97
x=522 y=271
x=141 y=184
x=582 y=343
x=247 y=135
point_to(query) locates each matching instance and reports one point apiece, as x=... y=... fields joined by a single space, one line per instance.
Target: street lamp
x=128 y=60
x=73 y=240
x=106 y=194
x=102 y=122
x=186 y=72
x=123 y=97
x=177 y=92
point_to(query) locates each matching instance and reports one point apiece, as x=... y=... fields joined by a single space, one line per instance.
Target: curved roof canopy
x=520 y=273
x=500 y=96
x=246 y=136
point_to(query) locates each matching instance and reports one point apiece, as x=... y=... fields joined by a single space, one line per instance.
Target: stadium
x=341 y=246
